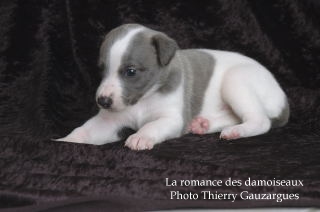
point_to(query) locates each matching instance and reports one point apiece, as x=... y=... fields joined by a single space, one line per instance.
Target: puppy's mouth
x=111 y=109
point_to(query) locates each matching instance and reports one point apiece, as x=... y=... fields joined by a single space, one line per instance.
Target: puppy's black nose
x=104 y=102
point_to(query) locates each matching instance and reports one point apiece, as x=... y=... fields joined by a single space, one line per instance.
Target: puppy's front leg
x=155 y=132
x=98 y=130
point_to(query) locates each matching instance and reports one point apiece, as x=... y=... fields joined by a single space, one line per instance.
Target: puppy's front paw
x=78 y=135
x=230 y=133
x=139 y=142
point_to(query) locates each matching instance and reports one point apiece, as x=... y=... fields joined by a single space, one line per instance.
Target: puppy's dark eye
x=130 y=72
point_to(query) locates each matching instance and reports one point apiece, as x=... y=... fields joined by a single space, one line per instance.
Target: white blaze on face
x=111 y=86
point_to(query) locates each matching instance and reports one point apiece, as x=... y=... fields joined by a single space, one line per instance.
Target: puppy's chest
x=157 y=106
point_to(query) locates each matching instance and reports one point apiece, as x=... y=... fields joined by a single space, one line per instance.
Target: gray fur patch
x=108 y=42
x=169 y=82
x=142 y=55
x=165 y=47
x=198 y=70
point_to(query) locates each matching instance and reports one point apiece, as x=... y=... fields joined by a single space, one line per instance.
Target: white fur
x=245 y=86
x=149 y=115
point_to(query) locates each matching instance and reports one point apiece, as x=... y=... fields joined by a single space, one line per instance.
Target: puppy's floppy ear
x=165 y=48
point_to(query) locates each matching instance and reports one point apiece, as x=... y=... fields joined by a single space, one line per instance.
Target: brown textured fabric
x=48 y=78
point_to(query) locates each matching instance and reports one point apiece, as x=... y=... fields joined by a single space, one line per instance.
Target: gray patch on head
x=108 y=42
x=143 y=56
x=198 y=70
x=283 y=118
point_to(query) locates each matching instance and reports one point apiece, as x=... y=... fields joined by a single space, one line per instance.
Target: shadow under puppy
x=162 y=92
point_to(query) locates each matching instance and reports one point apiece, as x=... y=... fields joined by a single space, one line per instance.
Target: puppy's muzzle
x=105 y=102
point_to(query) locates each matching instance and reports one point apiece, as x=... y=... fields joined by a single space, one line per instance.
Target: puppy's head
x=134 y=60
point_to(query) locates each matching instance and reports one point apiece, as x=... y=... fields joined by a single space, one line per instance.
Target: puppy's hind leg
x=238 y=94
x=253 y=124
